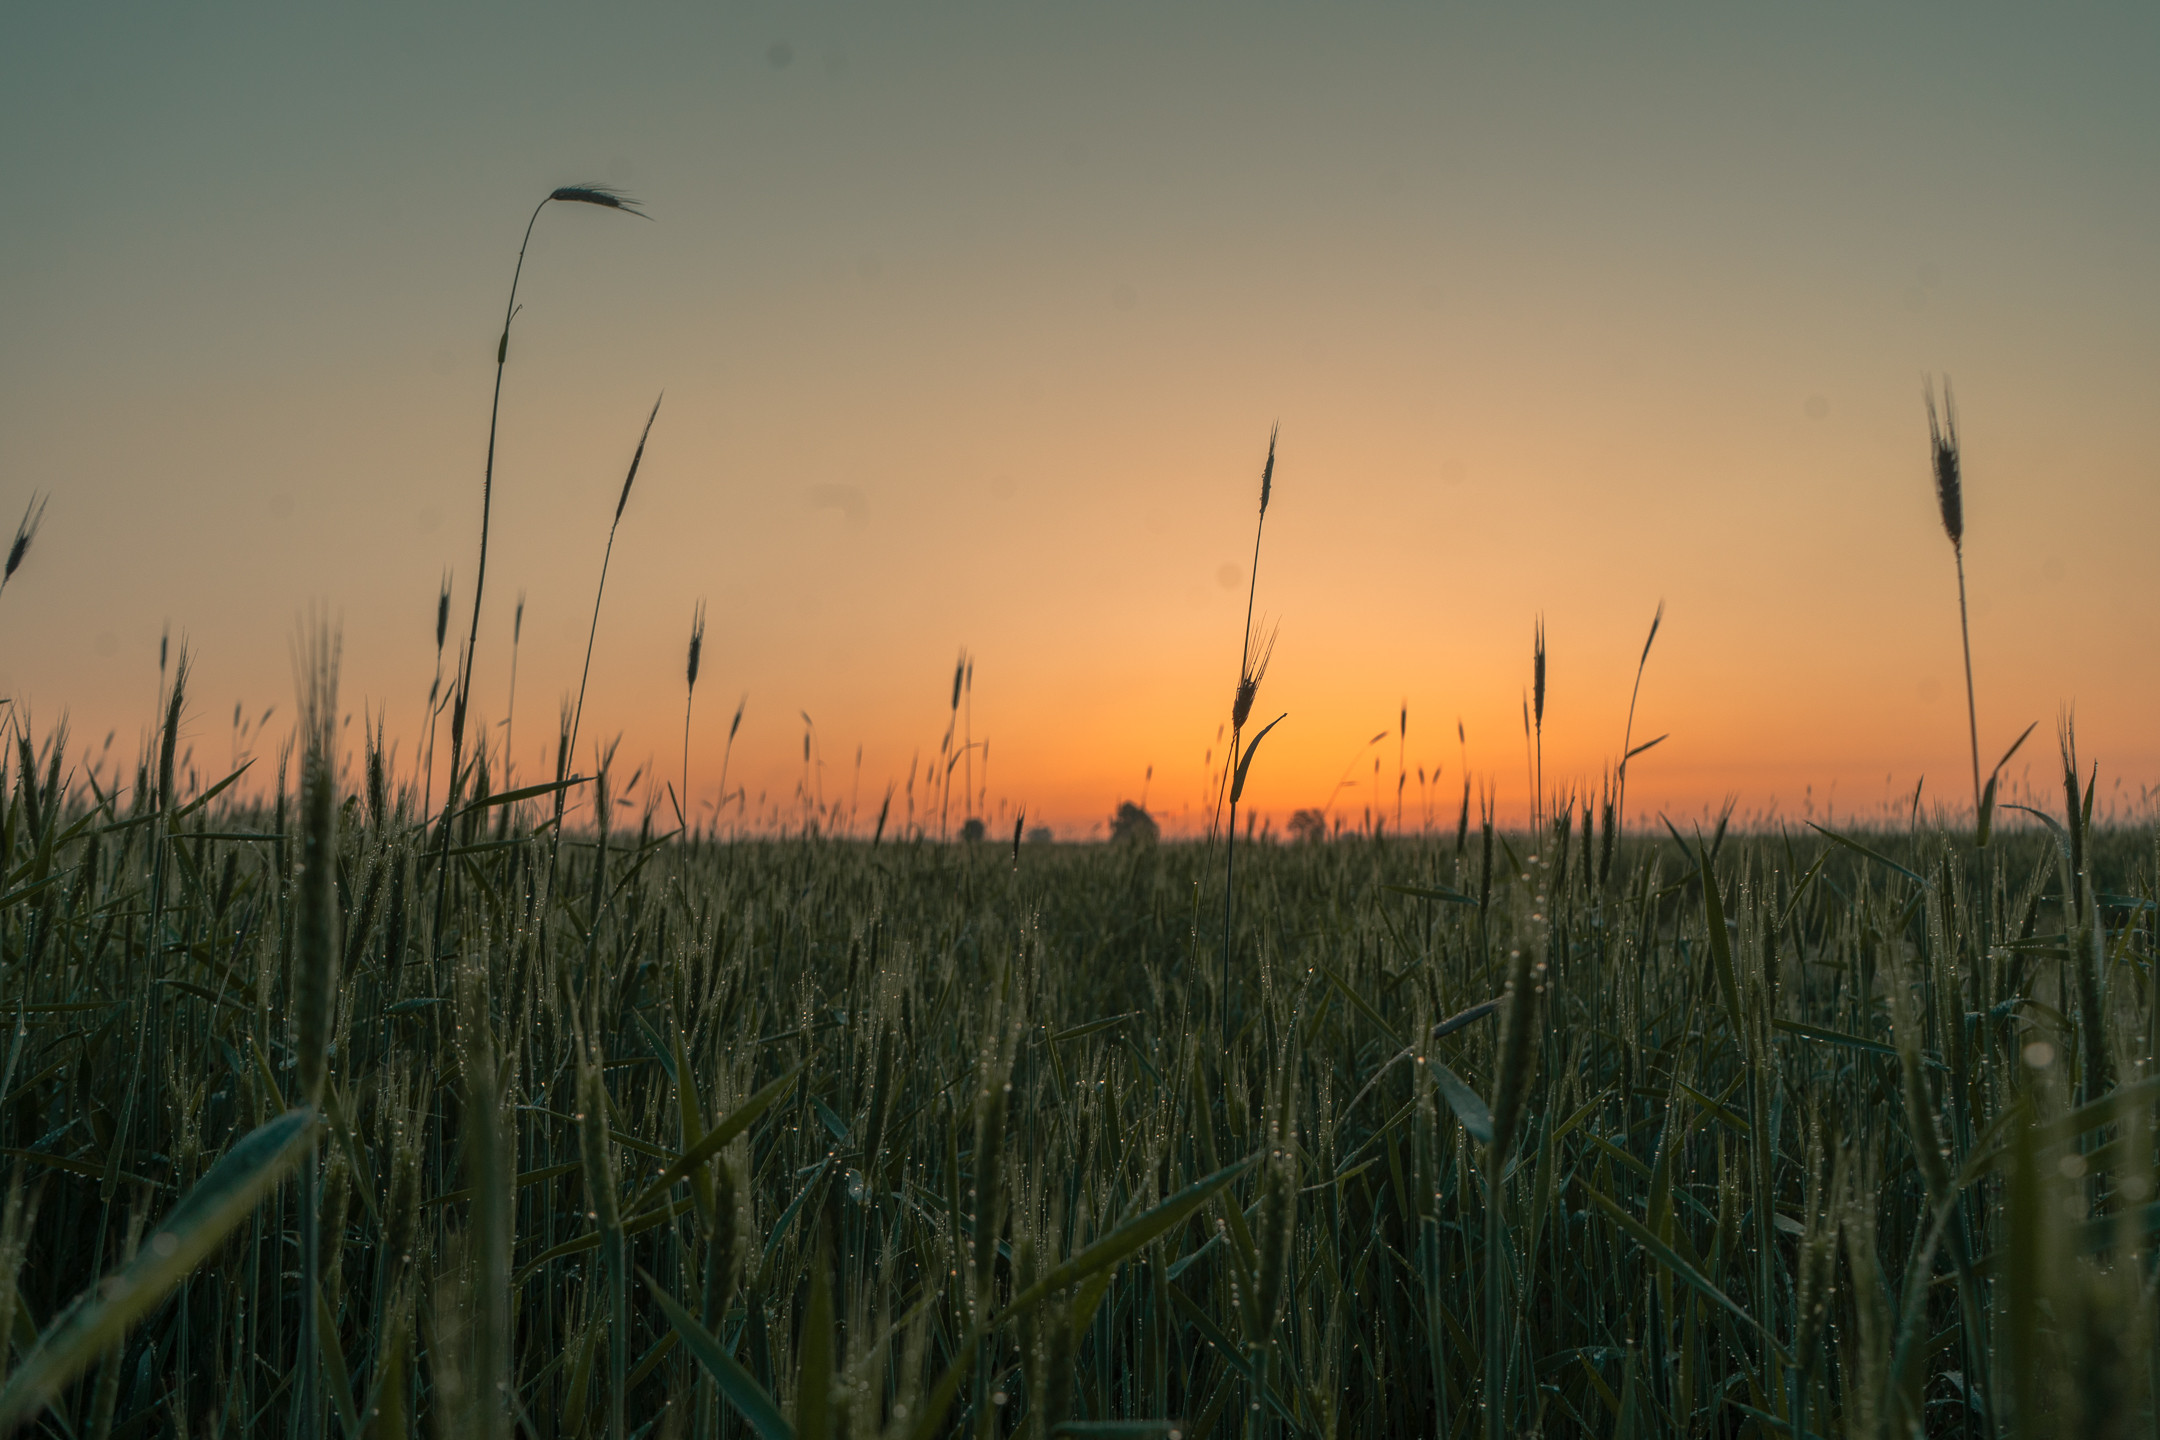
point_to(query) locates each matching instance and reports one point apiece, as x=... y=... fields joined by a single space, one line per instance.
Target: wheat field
x=325 y=1118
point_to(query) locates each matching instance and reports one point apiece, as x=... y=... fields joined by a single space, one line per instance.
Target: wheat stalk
x=1950 y=500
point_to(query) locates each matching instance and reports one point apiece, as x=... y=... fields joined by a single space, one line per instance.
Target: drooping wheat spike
x=607 y=199
x=1950 y=499
x=33 y=517
x=577 y=194
x=598 y=195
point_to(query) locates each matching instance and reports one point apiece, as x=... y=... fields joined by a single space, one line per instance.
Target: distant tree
x=1134 y=825
x=1308 y=825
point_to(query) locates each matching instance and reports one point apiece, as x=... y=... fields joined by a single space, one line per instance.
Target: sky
x=970 y=325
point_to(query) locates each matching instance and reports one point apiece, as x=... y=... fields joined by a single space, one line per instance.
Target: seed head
x=1267 y=472
x=1249 y=678
x=1537 y=672
x=517 y=621
x=598 y=195
x=637 y=459
x=1949 y=482
x=442 y=614
x=697 y=641
x=959 y=674
x=33 y=516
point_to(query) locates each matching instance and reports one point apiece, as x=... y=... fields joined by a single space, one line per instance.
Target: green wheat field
x=631 y=1135
x=335 y=1106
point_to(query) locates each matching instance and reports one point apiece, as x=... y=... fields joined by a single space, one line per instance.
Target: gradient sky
x=972 y=323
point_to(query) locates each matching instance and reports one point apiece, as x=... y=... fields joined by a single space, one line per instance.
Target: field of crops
x=324 y=1120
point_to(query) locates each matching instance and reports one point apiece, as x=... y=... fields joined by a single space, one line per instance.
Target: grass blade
x=196 y=1227
x=716 y=1139
x=1468 y=1105
x=741 y=1388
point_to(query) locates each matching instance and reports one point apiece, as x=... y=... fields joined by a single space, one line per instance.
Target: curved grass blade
x=739 y=1386
x=1433 y=892
x=1721 y=946
x=1125 y=1241
x=1079 y=1031
x=197 y=1226
x=738 y=1120
x=1467 y=1017
x=1985 y=821
x=1468 y=1105
x=1113 y=1248
x=590 y=1240
x=1687 y=1274
x=1876 y=855
x=1237 y=787
x=1361 y=1004
x=529 y=792
x=1834 y=1037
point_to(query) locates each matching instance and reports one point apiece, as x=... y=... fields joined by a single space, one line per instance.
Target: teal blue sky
x=972 y=322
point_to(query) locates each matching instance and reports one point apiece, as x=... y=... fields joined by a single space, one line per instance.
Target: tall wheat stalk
x=697 y=649
x=314 y=981
x=1628 y=750
x=1252 y=668
x=569 y=194
x=1537 y=711
x=577 y=715
x=517 y=634
x=1950 y=499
